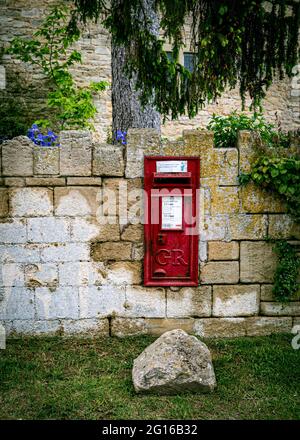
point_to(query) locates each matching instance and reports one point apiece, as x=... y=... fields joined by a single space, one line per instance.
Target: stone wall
x=66 y=271
x=29 y=88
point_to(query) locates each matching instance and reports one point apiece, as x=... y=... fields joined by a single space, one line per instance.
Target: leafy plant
x=287 y=271
x=279 y=174
x=44 y=140
x=226 y=129
x=48 y=49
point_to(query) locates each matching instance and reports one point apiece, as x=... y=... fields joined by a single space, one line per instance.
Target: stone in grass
x=175 y=363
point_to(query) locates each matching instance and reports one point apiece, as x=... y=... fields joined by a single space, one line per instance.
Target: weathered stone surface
x=256 y=200
x=222 y=250
x=101 y=301
x=20 y=253
x=124 y=272
x=142 y=302
x=88 y=228
x=225 y=200
x=133 y=233
x=266 y=294
x=81 y=181
x=14 y=181
x=153 y=326
x=283 y=226
x=45 y=181
x=17 y=157
x=18 y=303
x=119 y=251
x=140 y=142
x=41 y=275
x=137 y=251
x=247 y=227
x=77 y=201
x=55 y=304
x=188 y=302
x=228 y=165
x=220 y=327
x=82 y=273
x=217 y=272
x=247 y=152
x=236 y=300
x=174 y=363
x=122 y=327
x=48 y=230
x=261 y=326
x=31 y=202
x=86 y=327
x=13 y=231
x=213 y=228
x=45 y=160
x=279 y=309
x=258 y=262
x=3 y=202
x=36 y=327
x=75 y=153
x=11 y=274
x=58 y=252
x=108 y=160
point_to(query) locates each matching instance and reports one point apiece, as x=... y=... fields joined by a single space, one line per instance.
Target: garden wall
x=66 y=271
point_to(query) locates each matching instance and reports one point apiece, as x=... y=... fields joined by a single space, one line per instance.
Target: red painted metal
x=171 y=254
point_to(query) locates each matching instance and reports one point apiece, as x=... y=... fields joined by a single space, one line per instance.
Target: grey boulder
x=175 y=363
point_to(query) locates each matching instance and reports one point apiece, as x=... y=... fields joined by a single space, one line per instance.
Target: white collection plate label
x=171 y=166
x=171 y=217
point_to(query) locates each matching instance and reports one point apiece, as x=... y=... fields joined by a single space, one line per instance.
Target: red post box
x=171 y=220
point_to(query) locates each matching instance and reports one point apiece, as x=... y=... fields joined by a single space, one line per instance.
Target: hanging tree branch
x=245 y=42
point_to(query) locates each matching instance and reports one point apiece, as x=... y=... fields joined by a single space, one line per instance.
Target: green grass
x=68 y=378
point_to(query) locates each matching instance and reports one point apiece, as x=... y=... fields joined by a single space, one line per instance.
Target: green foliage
x=235 y=42
x=287 y=271
x=281 y=175
x=226 y=129
x=49 y=50
x=13 y=118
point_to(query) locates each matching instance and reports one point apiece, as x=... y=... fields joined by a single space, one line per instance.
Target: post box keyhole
x=161 y=238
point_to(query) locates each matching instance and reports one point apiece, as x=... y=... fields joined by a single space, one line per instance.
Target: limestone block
x=228 y=166
x=3 y=202
x=31 y=202
x=58 y=252
x=101 y=301
x=236 y=300
x=75 y=153
x=11 y=274
x=41 y=275
x=247 y=153
x=56 y=304
x=266 y=294
x=200 y=143
x=123 y=327
x=142 y=302
x=258 y=262
x=88 y=228
x=108 y=160
x=45 y=181
x=248 y=227
x=18 y=303
x=140 y=142
x=202 y=251
x=77 y=201
x=283 y=226
x=17 y=157
x=133 y=233
x=122 y=273
x=188 y=302
x=19 y=253
x=220 y=327
x=81 y=181
x=256 y=200
x=14 y=181
x=213 y=227
x=172 y=148
x=138 y=251
x=153 y=326
x=86 y=327
x=48 y=230
x=46 y=160
x=82 y=273
x=262 y=326
x=119 y=251
x=124 y=198
x=279 y=309
x=222 y=250
x=220 y=272
x=36 y=327
x=225 y=200
x=13 y=231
